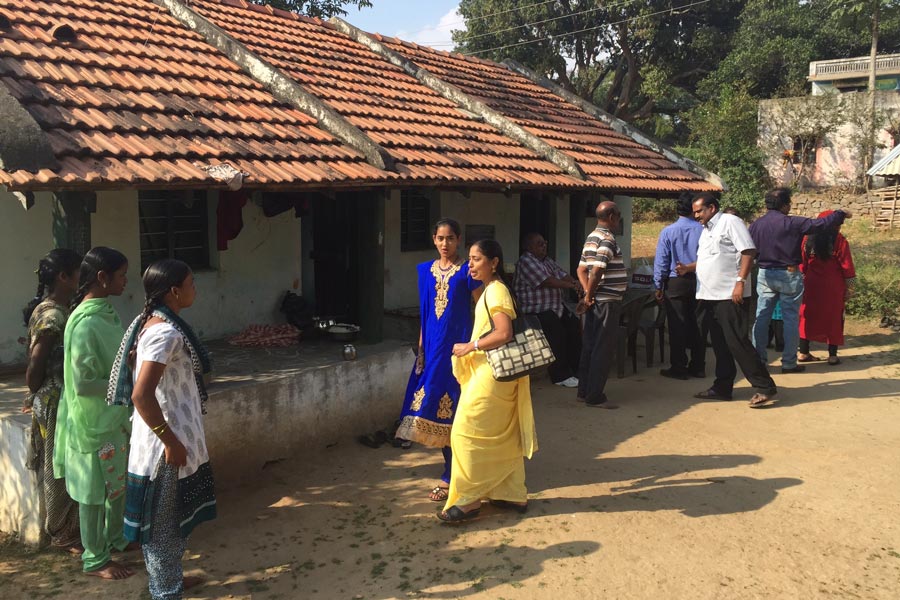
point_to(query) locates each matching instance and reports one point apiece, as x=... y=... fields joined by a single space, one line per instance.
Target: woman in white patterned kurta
x=170 y=483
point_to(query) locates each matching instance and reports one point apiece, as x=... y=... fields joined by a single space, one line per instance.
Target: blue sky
x=424 y=22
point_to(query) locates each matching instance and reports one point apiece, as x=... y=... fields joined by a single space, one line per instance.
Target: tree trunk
x=873 y=54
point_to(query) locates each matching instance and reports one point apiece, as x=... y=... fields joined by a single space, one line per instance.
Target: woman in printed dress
x=160 y=369
x=445 y=311
x=91 y=450
x=45 y=317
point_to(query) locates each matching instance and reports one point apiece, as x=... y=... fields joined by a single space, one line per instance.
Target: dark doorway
x=537 y=213
x=348 y=259
x=335 y=256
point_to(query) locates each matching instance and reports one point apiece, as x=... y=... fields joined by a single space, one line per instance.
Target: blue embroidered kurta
x=446 y=318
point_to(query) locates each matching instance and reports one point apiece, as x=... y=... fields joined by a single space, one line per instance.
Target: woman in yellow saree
x=493 y=430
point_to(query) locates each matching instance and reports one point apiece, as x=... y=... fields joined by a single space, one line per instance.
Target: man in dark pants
x=677 y=245
x=540 y=283
x=724 y=258
x=601 y=272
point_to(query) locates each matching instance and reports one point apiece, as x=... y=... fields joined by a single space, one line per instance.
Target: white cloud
x=439 y=35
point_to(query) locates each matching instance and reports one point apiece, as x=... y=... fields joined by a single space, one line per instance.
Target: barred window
x=418 y=209
x=174 y=224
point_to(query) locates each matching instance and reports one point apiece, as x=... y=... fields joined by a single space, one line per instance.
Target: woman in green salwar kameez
x=91 y=450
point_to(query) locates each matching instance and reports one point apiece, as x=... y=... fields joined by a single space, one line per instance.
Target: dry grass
x=643 y=238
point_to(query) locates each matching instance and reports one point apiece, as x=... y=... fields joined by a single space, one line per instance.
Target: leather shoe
x=797 y=369
x=673 y=374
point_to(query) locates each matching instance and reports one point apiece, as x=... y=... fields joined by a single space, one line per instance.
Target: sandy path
x=664 y=498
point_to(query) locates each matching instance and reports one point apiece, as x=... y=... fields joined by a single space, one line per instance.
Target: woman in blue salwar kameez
x=445 y=312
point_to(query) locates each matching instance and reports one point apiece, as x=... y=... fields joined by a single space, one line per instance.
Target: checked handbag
x=527 y=351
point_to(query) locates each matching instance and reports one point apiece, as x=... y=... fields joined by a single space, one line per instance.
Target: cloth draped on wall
x=229 y=217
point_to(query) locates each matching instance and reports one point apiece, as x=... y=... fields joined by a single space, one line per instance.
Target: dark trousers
x=727 y=324
x=804 y=348
x=684 y=330
x=564 y=336
x=598 y=350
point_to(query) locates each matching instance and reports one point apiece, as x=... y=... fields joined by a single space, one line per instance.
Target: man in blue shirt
x=778 y=238
x=677 y=245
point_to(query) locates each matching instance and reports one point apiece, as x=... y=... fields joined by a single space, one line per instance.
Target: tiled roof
x=138 y=99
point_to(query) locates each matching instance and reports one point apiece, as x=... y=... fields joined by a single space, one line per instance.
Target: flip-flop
x=810 y=358
x=761 y=400
x=711 y=394
x=834 y=360
x=457 y=515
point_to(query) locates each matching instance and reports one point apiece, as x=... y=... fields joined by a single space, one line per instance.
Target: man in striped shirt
x=602 y=274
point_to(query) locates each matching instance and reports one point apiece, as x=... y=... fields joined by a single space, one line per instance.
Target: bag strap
x=488 y=310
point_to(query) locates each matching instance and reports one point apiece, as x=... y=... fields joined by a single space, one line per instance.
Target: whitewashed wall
x=480 y=208
x=25 y=236
x=245 y=285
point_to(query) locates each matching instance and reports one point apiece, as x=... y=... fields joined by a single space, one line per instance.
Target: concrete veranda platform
x=265 y=405
x=666 y=497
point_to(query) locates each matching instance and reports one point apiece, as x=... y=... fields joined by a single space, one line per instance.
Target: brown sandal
x=439 y=494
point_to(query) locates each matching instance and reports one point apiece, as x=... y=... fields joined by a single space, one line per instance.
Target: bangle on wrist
x=160 y=429
x=476 y=344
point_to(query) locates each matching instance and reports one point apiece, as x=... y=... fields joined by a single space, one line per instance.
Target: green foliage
x=646 y=210
x=636 y=60
x=771 y=49
x=877 y=292
x=322 y=9
x=723 y=140
x=876 y=255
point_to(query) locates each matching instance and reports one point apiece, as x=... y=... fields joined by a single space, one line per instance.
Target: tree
x=723 y=139
x=871 y=13
x=637 y=60
x=322 y=9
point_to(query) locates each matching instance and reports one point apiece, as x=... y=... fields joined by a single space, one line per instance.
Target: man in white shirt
x=724 y=259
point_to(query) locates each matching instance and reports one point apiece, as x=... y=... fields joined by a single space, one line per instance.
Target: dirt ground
x=666 y=497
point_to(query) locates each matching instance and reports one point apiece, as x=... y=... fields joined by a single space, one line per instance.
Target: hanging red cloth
x=229 y=217
x=825 y=282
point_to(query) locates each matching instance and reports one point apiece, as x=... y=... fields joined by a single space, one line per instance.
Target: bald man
x=601 y=272
x=540 y=285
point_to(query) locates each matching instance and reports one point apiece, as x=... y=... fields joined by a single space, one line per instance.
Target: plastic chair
x=629 y=323
x=649 y=326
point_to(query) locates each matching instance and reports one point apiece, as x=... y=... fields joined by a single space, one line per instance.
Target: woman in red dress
x=829 y=275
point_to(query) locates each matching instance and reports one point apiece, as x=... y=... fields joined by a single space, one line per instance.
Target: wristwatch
x=740 y=279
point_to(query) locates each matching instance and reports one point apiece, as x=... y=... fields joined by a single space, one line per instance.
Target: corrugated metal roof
x=889 y=166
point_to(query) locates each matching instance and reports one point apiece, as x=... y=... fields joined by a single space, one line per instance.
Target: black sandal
x=519 y=508
x=457 y=515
